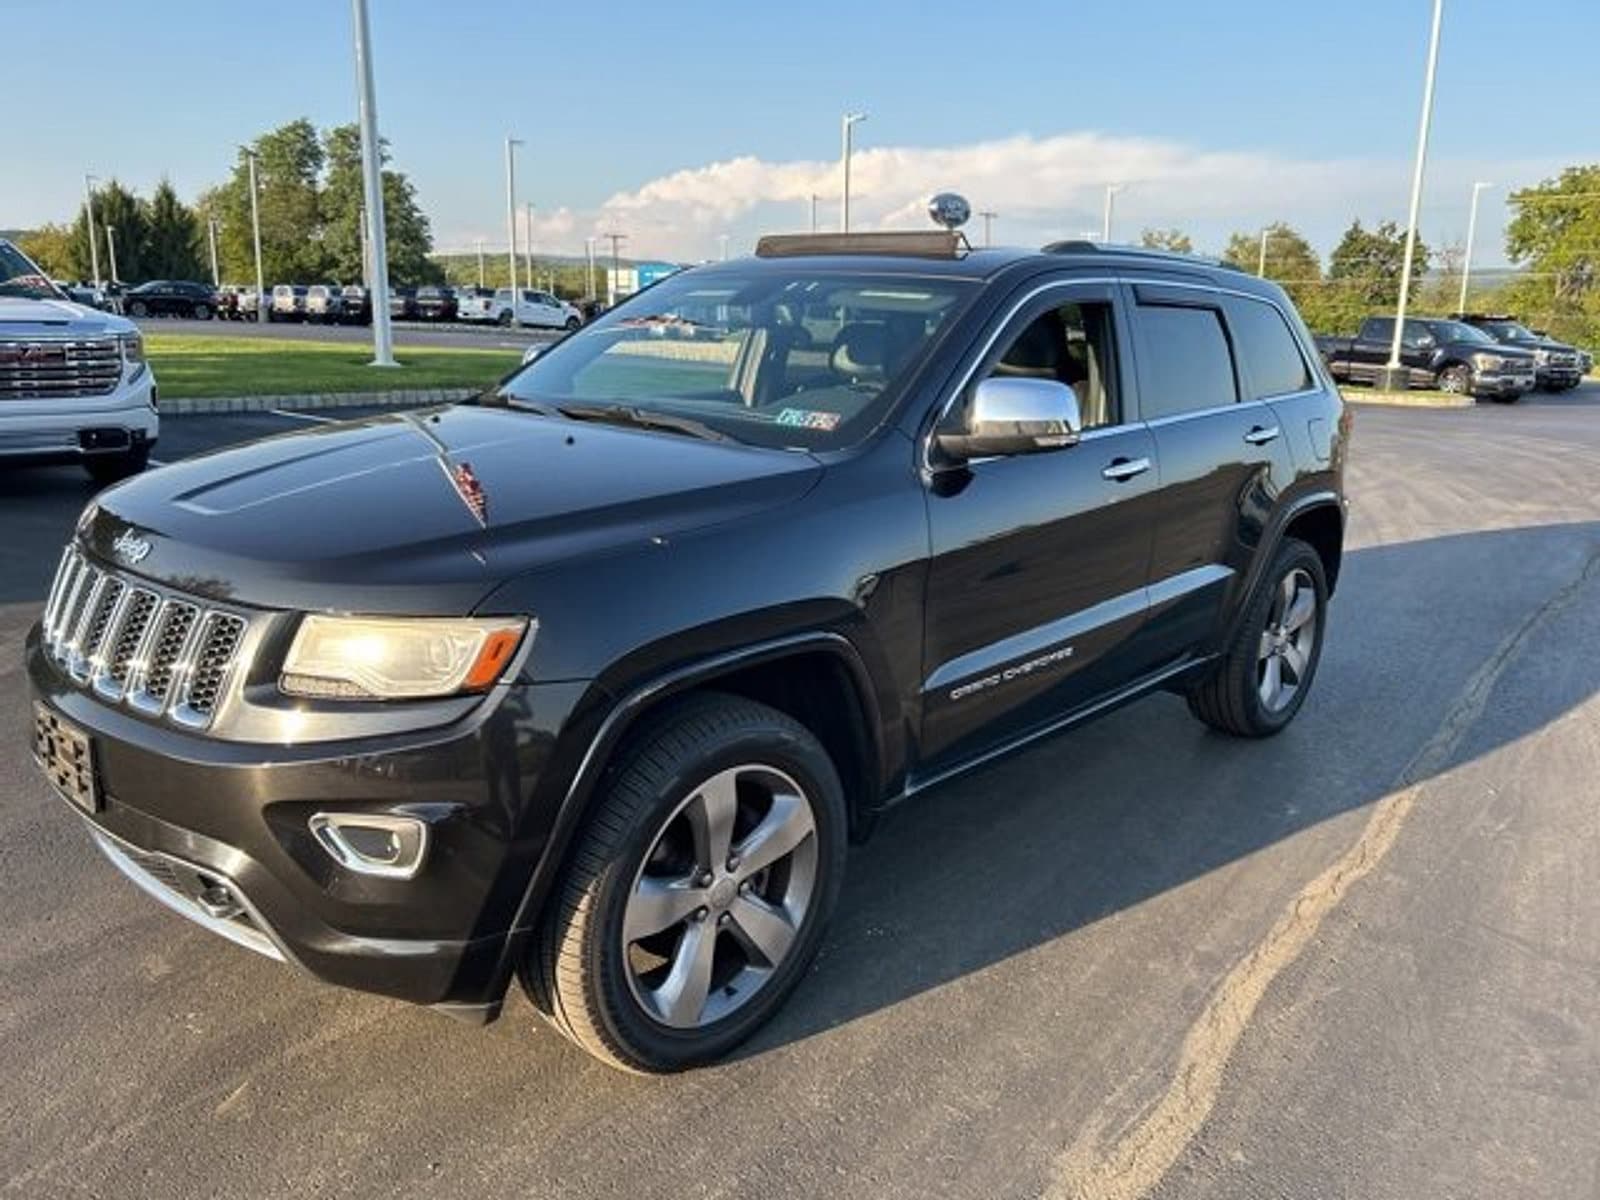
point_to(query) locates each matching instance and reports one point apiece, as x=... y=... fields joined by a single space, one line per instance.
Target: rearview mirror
x=1015 y=416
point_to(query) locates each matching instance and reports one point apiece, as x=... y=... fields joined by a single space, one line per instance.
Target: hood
x=57 y=318
x=1506 y=350
x=427 y=512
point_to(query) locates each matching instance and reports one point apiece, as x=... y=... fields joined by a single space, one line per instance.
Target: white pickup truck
x=74 y=384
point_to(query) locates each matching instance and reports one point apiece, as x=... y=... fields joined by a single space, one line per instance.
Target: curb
x=191 y=406
x=1407 y=399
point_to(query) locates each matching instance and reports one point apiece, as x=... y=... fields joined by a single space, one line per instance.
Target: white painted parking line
x=300 y=416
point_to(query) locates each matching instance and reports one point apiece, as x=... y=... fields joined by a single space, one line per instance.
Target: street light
x=848 y=122
x=94 y=248
x=111 y=245
x=480 y=261
x=1394 y=377
x=588 y=246
x=211 y=237
x=1105 y=227
x=1472 y=229
x=813 y=212
x=988 y=226
x=511 y=223
x=255 y=228
x=527 y=250
x=372 y=179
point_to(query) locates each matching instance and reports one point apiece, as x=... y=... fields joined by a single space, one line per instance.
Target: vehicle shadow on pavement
x=1097 y=821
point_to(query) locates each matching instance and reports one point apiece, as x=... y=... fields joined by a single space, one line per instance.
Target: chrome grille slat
x=160 y=653
x=43 y=369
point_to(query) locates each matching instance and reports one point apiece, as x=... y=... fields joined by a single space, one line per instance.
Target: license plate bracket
x=66 y=755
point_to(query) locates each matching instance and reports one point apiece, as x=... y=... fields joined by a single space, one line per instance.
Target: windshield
x=798 y=358
x=20 y=279
x=1511 y=331
x=1456 y=331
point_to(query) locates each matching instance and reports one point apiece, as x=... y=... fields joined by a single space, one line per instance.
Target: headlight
x=1542 y=357
x=399 y=658
x=132 y=348
x=1488 y=362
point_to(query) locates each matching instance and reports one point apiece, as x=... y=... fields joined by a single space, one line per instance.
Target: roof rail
x=934 y=243
x=1083 y=246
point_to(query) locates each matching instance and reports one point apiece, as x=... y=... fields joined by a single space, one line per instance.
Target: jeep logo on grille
x=130 y=548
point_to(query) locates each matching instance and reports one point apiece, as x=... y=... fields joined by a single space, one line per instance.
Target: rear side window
x=1186 y=364
x=1272 y=360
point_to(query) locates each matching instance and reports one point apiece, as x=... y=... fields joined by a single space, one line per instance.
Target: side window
x=1074 y=344
x=1417 y=334
x=1185 y=363
x=1377 y=329
x=1271 y=356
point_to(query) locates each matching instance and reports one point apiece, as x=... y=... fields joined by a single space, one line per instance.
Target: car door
x=1038 y=562
x=1224 y=459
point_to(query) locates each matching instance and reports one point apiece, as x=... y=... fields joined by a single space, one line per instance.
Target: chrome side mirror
x=1015 y=416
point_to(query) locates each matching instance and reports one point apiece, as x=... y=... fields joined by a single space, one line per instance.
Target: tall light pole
x=1394 y=377
x=848 y=122
x=1105 y=225
x=211 y=237
x=813 y=212
x=1472 y=229
x=616 y=263
x=111 y=246
x=480 y=262
x=1261 y=259
x=255 y=230
x=511 y=224
x=988 y=226
x=94 y=246
x=372 y=179
x=527 y=248
x=588 y=245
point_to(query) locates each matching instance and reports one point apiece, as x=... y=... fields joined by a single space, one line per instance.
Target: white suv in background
x=74 y=385
x=537 y=308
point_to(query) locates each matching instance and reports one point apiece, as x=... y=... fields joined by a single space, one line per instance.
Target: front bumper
x=1559 y=377
x=1502 y=383
x=78 y=427
x=181 y=813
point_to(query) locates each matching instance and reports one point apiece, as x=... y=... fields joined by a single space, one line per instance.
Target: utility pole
x=111 y=245
x=588 y=245
x=1105 y=226
x=848 y=122
x=480 y=262
x=988 y=226
x=616 y=263
x=255 y=228
x=1395 y=377
x=94 y=245
x=1472 y=229
x=511 y=225
x=372 y=179
x=211 y=236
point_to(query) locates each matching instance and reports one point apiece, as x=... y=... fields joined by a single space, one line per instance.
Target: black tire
x=1229 y=699
x=573 y=323
x=201 y=312
x=577 y=972
x=504 y=318
x=138 y=309
x=1456 y=380
x=106 y=469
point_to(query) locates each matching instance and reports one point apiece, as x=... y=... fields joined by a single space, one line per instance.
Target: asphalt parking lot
x=1357 y=960
x=406 y=333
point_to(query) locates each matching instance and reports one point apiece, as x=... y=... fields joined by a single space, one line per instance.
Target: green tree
x=51 y=247
x=1369 y=262
x=408 y=235
x=1556 y=235
x=172 y=237
x=1167 y=239
x=117 y=209
x=289 y=163
x=1289 y=260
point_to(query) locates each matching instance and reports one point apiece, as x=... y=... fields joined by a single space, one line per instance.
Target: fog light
x=373 y=843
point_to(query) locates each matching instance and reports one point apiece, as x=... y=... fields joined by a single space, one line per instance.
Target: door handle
x=1125 y=468
x=1259 y=436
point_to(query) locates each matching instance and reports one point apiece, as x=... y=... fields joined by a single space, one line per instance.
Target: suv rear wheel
x=695 y=897
x=1266 y=671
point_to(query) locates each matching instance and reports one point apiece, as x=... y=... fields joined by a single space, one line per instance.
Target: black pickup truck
x=1557 y=366
x=1447 y=355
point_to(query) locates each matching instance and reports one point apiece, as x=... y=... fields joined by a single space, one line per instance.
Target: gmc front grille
x=159 y=653
x=51 y=370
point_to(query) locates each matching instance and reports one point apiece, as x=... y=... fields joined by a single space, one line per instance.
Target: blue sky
x=679 y=122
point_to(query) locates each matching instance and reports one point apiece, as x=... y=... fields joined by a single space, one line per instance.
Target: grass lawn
x=224 y=366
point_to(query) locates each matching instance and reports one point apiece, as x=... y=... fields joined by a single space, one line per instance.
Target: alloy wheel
x=720 y=897
x=1288 y=641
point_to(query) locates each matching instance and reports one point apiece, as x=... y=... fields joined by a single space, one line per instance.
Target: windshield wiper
x=493 y=397
x=641 y=418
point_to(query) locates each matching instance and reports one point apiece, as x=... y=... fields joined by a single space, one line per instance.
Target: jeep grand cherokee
x=591 y=682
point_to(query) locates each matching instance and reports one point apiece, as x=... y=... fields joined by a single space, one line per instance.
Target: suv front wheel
x=696 y=895
x=1266 y=671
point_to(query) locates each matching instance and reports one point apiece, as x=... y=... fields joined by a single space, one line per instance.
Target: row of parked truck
x=1489 y=355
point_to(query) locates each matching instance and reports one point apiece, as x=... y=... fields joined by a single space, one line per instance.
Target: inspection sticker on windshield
x=809 y=418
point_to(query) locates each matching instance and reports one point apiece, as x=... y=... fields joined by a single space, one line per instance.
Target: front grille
x=59 y=369
x=161 y=653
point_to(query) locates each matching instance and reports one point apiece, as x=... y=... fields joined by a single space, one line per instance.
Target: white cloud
x=1041 y=187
